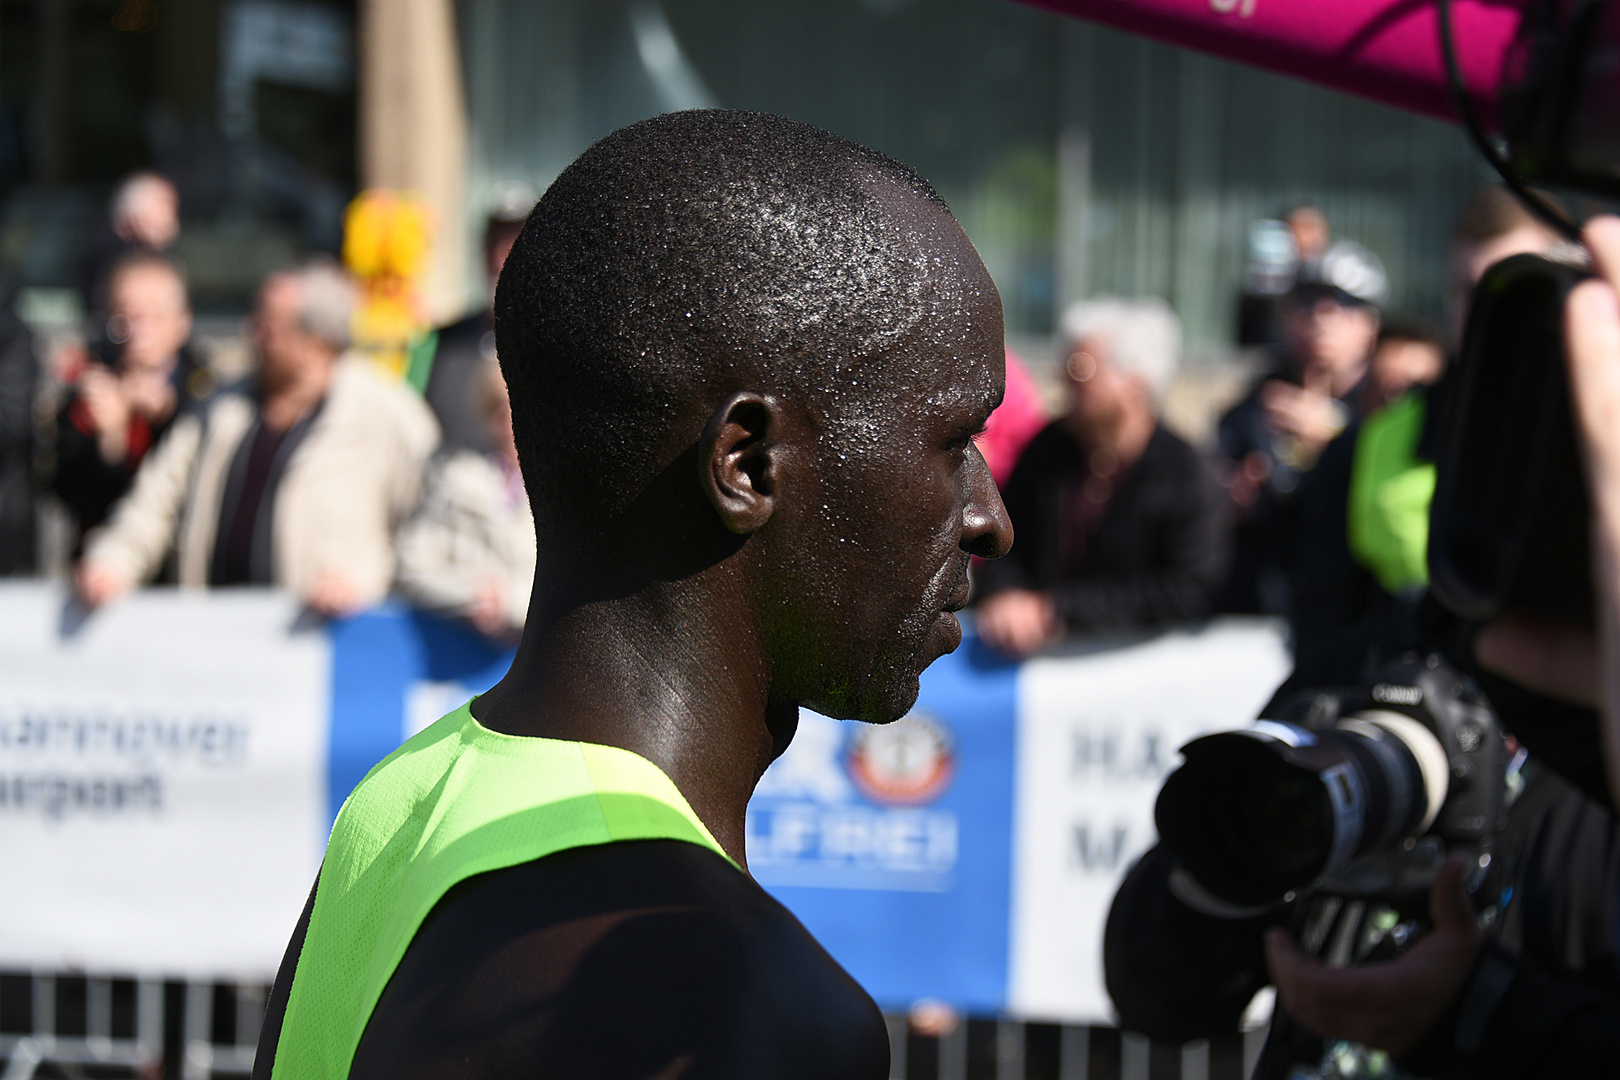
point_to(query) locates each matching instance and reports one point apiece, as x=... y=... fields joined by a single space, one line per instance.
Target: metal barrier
x=151 y=1028
x=198 y=1031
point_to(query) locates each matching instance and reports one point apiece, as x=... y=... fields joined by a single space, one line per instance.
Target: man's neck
x=285 y=405
x=649 y=673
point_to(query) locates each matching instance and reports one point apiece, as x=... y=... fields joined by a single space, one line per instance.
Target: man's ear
x=737 y=460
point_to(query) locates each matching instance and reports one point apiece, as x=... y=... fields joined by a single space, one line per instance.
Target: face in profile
x=903 y=499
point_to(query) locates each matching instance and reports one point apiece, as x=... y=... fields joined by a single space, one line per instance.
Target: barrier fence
x=75 y=1025
x=169 y=769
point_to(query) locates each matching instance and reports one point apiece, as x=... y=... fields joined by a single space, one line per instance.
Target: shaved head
x=697 y=254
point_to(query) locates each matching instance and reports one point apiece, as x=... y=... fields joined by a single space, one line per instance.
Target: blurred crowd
x=319 y=471
x=1310 y=503
x=333 y=476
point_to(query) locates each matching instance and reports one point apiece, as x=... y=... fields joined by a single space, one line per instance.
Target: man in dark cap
x=1271 y=439
x=747 y=360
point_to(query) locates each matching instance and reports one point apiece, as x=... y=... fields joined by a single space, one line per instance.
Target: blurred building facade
x=1082 y=161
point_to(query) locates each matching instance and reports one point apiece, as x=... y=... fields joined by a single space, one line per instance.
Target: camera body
x=1357 y=792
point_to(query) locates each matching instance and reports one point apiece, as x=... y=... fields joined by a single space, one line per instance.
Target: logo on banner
x=906 y=763
x=847 y=807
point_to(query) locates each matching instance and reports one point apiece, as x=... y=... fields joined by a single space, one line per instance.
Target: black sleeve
x=1193 y=538
x=1173 y=973
x=1331 y=595
x=18 y=378
x=84 y=480
x=1514 y=1022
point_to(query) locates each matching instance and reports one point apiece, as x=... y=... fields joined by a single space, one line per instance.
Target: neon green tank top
x=455 y=800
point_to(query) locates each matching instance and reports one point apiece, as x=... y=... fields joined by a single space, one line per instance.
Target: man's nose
x=987 y=531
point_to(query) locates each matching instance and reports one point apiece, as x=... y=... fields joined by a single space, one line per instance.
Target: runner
x=747 y=360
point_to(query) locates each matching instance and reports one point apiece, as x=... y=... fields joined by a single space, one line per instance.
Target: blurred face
x=1310 y=231
x=1399 y=365
x=1332 y=340
x=288 y=354
x=875 y=544
x=1470 y=261
x=1102 y=393
x=150 y=214
x=150 y=318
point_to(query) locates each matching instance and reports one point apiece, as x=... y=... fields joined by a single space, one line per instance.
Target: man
x=1121 y=525
x=298 y=481
x=747 y=360
x=122 y=405
x=1359 y=568
x=462 y=350
x=1271 y=439
x=1280 y=254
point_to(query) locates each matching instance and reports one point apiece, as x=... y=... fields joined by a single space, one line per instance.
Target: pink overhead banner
x=1388 y=50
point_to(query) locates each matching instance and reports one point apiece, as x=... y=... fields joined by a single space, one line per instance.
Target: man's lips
x=959 y=596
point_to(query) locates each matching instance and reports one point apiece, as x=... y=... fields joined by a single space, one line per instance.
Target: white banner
x=162 y=800
x=1097 y=734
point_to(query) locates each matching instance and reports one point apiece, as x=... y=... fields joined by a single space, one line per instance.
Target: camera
x=1357 y=792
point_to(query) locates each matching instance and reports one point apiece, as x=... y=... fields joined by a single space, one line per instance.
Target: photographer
x=1537 y=994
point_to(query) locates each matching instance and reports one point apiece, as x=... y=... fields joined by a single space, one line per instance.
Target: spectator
x=1280 y=254
x=1120 y=525
x=1408 y=353
x=144 y=216
x=455 y=381
x=299 y=480
x=1273 y=437
x=1493 y=225
x=121 y=405
x=19 y=375
x=1360 y=564
x=1017 y=420
x=469 y=551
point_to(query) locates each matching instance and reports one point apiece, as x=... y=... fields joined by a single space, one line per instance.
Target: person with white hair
x=1120 y=523
x=298 y=479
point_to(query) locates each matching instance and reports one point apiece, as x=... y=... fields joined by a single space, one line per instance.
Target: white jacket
x=354 y=477
x=468 y=531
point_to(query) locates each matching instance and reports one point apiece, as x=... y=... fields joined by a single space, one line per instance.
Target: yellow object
x=387 y=239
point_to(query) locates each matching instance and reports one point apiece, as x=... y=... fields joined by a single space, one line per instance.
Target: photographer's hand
x=1563 y=662
x=1384 y=1005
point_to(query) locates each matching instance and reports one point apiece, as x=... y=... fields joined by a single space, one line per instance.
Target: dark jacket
x=86 y=482
x=19 y=377
x=1155 y=556
x=455 y=379
x=1266 y=537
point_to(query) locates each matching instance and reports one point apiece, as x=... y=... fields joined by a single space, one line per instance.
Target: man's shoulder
x=621 y=959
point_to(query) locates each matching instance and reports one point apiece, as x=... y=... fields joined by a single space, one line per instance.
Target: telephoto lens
x=1340 y=793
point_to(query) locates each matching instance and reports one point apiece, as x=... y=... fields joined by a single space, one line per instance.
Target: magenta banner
x=1388 y=50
